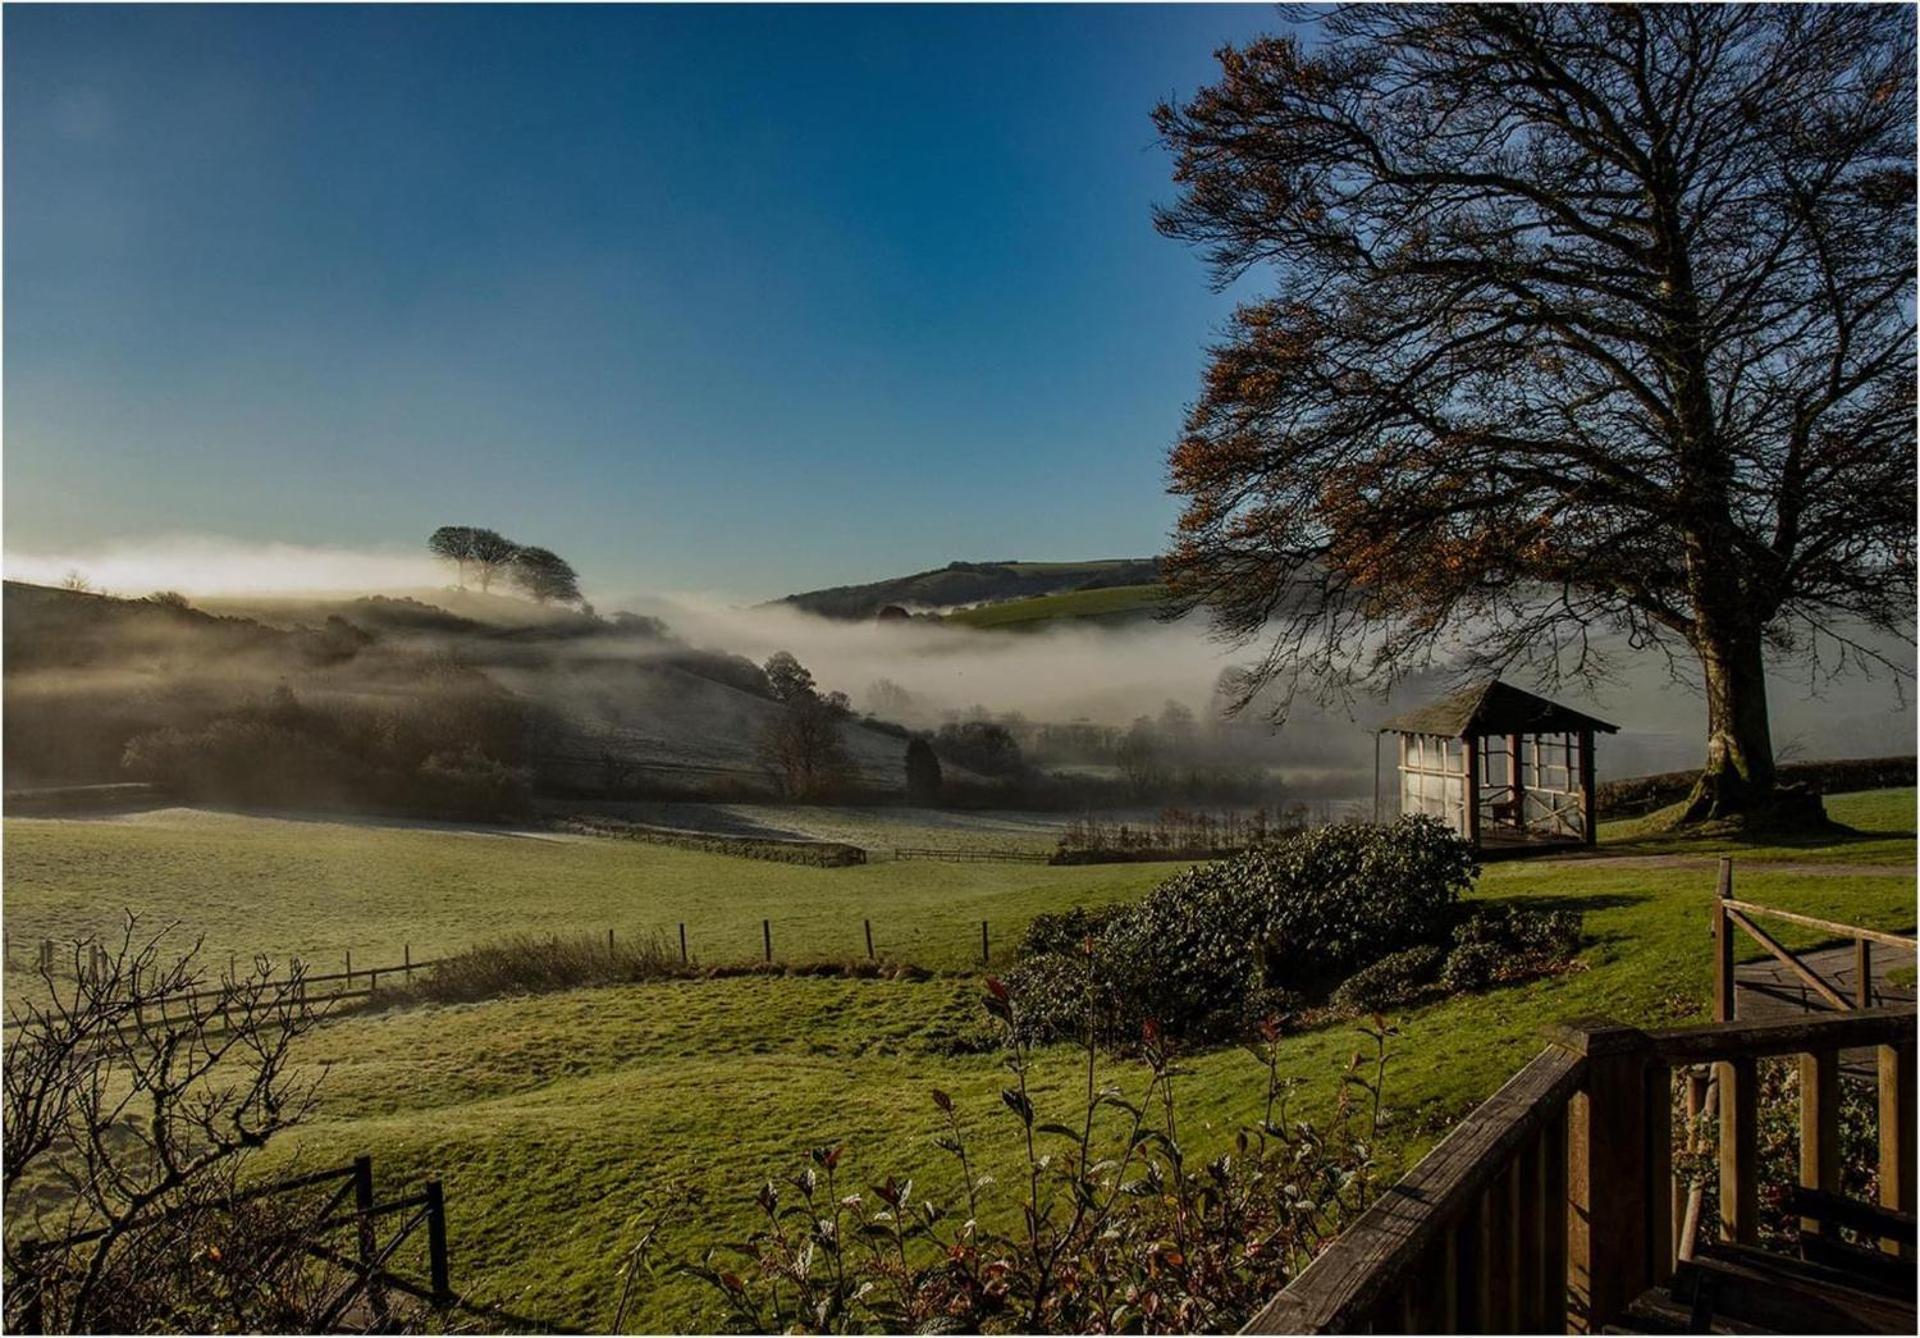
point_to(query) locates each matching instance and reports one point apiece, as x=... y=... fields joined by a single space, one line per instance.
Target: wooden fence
x=351 y=982
x=1730 y=914
x=959 y=855
x=367 y=1261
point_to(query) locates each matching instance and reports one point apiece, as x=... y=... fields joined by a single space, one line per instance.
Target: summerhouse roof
x=1493 y=707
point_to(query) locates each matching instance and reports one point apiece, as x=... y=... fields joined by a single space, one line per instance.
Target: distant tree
x=453 y=543
x=803 y=749
x=544 y=576
x=1586 y=318
x=77 y=582
x=888 y=699
x=923 y=773
x=1138 y=757
x=787 y=678
x=492 y=556
x=171 y=599
x=980 y=745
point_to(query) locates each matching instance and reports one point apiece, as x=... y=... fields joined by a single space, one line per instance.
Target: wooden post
x=609 y=941
x=1518 y=791
x=1819 y=1126
x=349 y=968
x=766 y=938
x=868 y=925
x=1589 y=793
x=1739 y=1150
x=1862 y=973
x=1470 y=789
x=406 y=956
x=232 y=968
x=985 y=954
x=1723 y=947
x=365 y=1242
x=1896 y=1133
x=1610 y=1208
x=683 y=943
x=442 y=1287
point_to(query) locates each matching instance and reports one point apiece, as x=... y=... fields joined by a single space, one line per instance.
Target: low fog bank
x=200 y=566
x=923 y=673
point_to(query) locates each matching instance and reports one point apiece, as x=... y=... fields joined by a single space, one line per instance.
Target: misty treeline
x=486 y=556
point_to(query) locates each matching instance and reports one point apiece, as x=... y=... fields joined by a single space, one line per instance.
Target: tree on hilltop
x=1584 y=319
x=481 y=553
x=545 y=576
x=787 y=678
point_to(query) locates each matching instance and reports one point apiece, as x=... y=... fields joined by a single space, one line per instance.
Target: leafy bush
x=1471 y=966
x=1110 y=1229
x=1066 y=931
x=1392 y=981
x=1297 y=915
x=1529 y=933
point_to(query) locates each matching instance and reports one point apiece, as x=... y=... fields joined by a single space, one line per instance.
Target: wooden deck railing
x=1555 y=1204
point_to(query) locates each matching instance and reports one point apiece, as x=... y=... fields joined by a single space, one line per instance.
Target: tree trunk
x=1739 y=775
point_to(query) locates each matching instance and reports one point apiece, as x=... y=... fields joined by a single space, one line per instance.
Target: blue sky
x=738 y=299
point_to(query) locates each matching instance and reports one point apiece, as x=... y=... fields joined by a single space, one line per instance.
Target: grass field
x=551 y=1119
x=1026 y=614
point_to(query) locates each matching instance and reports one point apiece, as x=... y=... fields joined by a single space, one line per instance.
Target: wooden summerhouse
x=1502 y=767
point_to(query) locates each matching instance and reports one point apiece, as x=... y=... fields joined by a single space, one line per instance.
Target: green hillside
x=974 y=583
x=1120 y=603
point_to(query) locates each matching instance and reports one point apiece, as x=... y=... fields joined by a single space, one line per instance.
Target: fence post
x=1614 y=1217
x=406 y=956
x=1862 y=973
x=349 y=968
x=46 y=956
x=364 y=1237
x=985 y=954
x=437 y=1244
x=868 y=925
x=766 y=938
x=609 y=940
x=683 y=943
x=1739 y=1150
x=1723 y=946
x=1896 y=1134
x=1819 y=1126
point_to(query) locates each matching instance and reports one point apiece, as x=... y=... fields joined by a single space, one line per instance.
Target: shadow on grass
x=1582 y=902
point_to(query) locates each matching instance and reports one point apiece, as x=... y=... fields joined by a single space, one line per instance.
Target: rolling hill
x=1106 y=605
x=580 y=703
x=966 y=583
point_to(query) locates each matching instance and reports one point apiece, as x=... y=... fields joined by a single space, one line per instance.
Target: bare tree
x=1585 y=318
x=803 y=749
x=130 y=1112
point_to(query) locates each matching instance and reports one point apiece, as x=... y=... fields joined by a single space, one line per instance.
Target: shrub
x=528 y=964
x=1471 y=966
x=470 y=784
x=1066 y=931
x=1296 y=915
x=1392 y=981
x=1552 y=935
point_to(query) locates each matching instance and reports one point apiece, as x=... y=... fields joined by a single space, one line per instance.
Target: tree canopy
x=487 y=556
x=1583 y=319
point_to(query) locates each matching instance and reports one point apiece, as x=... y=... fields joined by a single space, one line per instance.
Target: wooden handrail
x=1757 y=1040
x=1905 y=941
x=1808 y=977
x=1371 y=1260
